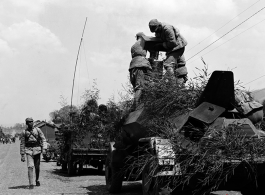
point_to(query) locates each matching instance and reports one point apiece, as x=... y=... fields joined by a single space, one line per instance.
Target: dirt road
x=13 y=178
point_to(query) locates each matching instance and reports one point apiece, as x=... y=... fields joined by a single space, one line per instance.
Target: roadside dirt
x=14 y=180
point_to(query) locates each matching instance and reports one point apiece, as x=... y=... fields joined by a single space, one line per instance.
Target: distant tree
x=55 y=116
x=19 y=126
x=62 y=115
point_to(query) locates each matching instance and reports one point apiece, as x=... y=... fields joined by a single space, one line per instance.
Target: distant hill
x=259 y=95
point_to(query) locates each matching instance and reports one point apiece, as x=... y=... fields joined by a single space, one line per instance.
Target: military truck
x=215 y=109
x=75 y=153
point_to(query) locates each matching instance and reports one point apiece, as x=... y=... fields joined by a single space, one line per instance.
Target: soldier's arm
x=22 y=143
x=171 y=41
x=43 y=139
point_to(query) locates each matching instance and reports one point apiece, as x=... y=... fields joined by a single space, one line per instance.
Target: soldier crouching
x=32 y=144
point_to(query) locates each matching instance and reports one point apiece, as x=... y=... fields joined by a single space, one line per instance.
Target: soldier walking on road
x=32 y=144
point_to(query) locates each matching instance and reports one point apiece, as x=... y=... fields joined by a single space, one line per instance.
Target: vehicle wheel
x=146 y=182
x=80 y=168
x=153 y=185
x=64 y=166
x=71 y=168
x=113 y=176
x=251 y=187
x=47 y=157
x=100 y=167
x=58 y=163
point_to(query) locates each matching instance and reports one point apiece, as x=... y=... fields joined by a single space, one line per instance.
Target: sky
x=39 y=41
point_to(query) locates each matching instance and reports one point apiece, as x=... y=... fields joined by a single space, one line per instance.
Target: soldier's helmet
x=103 y=108
x=29 y=120
x=140 y=34
x=153 y=25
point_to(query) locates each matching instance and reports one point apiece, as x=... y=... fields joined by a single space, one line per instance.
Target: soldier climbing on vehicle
x=174 y=45
x=140 y=68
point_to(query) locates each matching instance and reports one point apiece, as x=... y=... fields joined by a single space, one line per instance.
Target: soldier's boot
x=181 y=74
x=30 y=175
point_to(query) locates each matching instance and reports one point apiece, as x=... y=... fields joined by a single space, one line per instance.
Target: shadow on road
x=128 y=188
x=85 y=172
x=19 y=187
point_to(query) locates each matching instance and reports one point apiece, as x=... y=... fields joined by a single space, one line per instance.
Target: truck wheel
x=146 y=182
x=47 y=157
x=152 y=185
x=80 y=168
x=113 y=176
x=64 y=166
x=58 y=163
x=100 y=167
x=71 y=168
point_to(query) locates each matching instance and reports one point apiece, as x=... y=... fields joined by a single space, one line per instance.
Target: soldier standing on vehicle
x=174 y=45
x=32 y=144
x=140 y=68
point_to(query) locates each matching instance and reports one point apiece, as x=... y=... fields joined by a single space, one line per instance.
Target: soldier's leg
x=132 y=77
x=30 y=164
x=37 y=167
x=181 y=72
x=133 y=82
x=142 y=77
x=139 y=82
x=169 y=65
x=137 y=97
x=138 y=77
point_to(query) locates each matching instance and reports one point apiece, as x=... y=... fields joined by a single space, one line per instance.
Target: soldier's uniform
x=32 y=144
x=174 y=44
x=140 y=68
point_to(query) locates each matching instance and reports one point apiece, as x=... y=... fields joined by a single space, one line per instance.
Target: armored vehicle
x=215 y=109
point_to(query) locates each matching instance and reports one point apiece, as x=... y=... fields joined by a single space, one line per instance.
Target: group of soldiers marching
x=7 y=140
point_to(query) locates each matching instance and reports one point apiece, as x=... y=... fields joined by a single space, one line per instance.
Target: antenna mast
x=76 y=65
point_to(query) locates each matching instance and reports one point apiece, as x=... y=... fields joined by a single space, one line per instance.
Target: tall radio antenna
x=76 y=64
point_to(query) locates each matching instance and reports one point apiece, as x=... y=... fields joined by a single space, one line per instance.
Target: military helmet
x=29 y=120
x=154 y=24
x=103 y=108
x=140 y=34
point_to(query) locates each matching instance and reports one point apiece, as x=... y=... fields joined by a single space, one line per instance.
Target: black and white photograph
x=139 y=97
